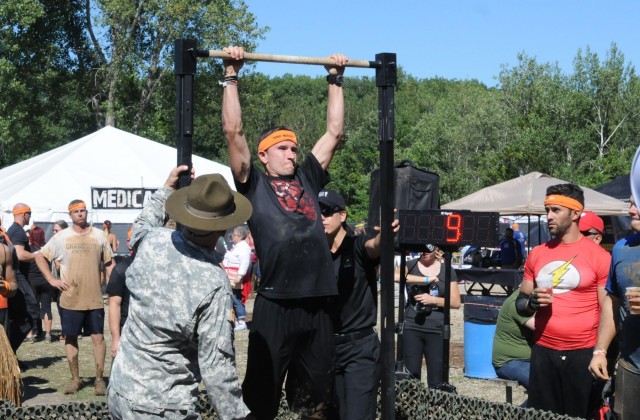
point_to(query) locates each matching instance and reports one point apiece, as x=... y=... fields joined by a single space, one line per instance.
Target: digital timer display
x=447 y=228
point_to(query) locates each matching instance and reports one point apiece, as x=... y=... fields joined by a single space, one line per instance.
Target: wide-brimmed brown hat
x=208 y=204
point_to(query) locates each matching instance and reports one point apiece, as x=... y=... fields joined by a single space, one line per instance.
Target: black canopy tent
x=619 y=188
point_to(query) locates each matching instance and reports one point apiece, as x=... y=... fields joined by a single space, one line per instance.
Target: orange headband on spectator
x=277 y=137
x=77 y=206
x=561 y=200
x=21 y=211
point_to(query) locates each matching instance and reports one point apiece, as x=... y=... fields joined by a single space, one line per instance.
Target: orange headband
x=277 y=137
x=76 y=206
x=561 y=200
x=21 y=211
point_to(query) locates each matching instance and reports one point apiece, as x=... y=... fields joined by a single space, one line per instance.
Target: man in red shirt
x=563 y=285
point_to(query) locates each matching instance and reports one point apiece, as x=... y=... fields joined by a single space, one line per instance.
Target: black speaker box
x=415 y=189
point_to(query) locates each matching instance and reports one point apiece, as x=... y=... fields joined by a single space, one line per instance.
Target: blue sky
x=456 y=39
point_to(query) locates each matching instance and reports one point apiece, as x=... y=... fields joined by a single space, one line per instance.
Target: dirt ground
x=47 y=370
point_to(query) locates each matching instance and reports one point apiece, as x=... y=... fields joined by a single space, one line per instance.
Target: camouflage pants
x=121 y=407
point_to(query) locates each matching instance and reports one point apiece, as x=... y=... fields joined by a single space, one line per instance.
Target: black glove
x=533 y=303
x=527 y=305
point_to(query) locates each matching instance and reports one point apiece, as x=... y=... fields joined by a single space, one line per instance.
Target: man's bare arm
x=606 y=332
x=373 y=245
x=45 y=269
x=9 y=274
x=115 y=303
x=239 y=154
x=328 y=143
x=23 y=254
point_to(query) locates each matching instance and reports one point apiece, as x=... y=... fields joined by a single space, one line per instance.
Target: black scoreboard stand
x=448 y=230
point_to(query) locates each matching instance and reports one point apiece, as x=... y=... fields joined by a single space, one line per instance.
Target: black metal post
x=401 y=372
x=185 y=71
x=446 y=324
x=386 y=81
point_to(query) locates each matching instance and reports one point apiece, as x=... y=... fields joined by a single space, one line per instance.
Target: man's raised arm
x=328 y=143
x=239 y=154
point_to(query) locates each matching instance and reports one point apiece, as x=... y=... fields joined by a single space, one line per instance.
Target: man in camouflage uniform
x=180 y=326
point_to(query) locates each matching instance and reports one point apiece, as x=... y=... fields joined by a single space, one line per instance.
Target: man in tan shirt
x=80 y=250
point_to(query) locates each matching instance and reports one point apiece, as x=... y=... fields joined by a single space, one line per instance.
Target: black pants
x=23 y=313
x=627 y=401
x=43 y=297
x=560 y=381
x=357 y=376
x=292 y=337
x=417 y=345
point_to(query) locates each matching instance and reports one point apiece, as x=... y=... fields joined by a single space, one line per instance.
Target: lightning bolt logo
x=559 y=272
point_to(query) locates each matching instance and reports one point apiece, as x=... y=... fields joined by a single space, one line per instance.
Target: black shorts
x=73 y=322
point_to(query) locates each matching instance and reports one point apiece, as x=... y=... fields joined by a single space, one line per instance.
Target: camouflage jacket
x=179 y=328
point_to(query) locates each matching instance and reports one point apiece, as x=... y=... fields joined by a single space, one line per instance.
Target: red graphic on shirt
x=291 y=197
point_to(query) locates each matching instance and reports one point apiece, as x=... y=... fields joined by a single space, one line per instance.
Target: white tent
x=525 y=195
x=111 y=170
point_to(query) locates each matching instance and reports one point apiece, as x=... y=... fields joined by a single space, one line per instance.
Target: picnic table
x=489 y=281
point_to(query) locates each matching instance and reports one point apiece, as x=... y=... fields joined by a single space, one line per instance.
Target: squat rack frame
x=186 y=55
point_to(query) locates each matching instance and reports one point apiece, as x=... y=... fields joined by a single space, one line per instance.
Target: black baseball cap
x=330 y=198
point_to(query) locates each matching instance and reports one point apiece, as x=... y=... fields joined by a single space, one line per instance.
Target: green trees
x=609 y=93
x=41 y=77
x=135 y=49
x=68 y=67
x=580 y=127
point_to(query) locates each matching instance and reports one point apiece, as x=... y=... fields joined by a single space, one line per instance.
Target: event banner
x=120 y=198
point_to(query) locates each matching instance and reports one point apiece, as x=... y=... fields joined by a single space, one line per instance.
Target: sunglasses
x=27 y=212
x=590 y=233
x=329 y=211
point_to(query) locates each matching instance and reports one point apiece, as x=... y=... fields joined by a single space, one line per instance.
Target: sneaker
x=240 y=326
x=29 y=340
x=48 y=339
x=73 y=386
x=101 y=389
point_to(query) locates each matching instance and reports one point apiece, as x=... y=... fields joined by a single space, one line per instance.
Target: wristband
x=336 y=79
x=426 y=280
x=229 y=81
x=600 y=351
